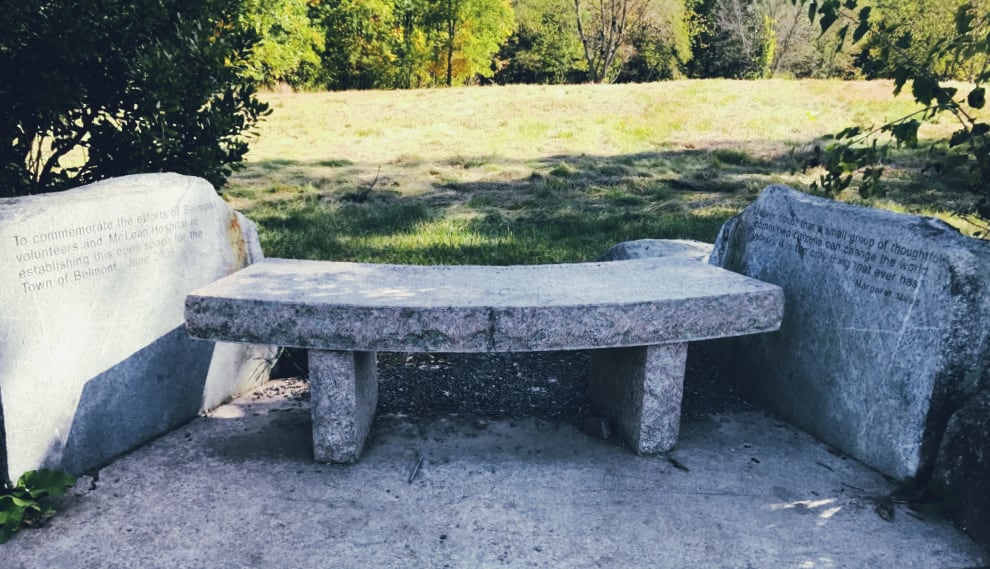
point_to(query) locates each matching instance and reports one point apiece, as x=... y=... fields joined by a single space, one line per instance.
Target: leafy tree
x=360 y=44
x=604 y=28
x=917 y=26
x=764 y=38
x=544 y=47
x=413 y=50
x=656 y=33
x=100 y=88
x=660 y=44
x=860 y=151
x=288 y=40
x=467 y=35
x=410 y=43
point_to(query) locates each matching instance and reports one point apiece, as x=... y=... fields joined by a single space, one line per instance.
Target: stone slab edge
x=227 y=311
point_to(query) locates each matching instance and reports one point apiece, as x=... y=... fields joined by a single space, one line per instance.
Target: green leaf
x=11 y=517
x=958 y=137
x=829 y=16
x=923 y=89
x=46 y=482
x=906 y=133
x=944 y=96
x=964 y=19
x=901 y=75
x=850 y=4
x=849 y=132
x=977 y=98
x=24 y=503
x=842 y=38
x=980 y=128
x=904 y=41
x=864 y=24
x=812 y=10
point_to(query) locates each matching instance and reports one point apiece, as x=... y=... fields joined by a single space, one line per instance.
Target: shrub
x=101 y=88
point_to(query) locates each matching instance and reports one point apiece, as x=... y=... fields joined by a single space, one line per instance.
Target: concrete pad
x=238 y=488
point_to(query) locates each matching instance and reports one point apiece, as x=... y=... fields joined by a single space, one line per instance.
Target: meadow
x=541 y=174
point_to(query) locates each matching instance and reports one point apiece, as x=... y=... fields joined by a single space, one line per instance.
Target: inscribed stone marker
x=95 y=359
x=887 y=317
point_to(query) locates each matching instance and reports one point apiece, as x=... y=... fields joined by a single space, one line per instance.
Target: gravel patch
x=543 y=385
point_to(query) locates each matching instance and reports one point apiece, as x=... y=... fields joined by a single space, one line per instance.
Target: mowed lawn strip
x=544 y=174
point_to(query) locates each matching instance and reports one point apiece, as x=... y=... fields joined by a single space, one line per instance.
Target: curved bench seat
x=637 y=315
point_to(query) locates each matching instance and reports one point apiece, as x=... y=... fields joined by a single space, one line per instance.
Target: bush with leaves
x=859 y=152
x=30 y=502
x=100 y=88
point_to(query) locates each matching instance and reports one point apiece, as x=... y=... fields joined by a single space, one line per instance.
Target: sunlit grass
x=536 y=174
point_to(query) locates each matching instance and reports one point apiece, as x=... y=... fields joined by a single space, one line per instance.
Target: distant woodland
x=389 y=44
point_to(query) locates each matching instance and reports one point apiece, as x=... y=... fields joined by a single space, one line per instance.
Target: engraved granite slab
x=93 y=356
x=887 y=325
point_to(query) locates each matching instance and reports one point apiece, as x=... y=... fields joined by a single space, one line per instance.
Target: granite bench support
x=637 y=316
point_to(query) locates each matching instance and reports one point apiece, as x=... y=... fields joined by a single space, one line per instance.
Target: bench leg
x=639 y=389
x=344 y=393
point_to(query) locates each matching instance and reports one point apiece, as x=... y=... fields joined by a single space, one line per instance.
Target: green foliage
x=916 y=28
x=409 y=43
x=360 y=50
x=660 y=44
x=605 y=29
x=30 y=502
x=483 y=27
x=101 y=88
x=740 y=39
x=633 y=40
x=967 y=151
x=289 y=41
x=465 y=36
x=544 y=47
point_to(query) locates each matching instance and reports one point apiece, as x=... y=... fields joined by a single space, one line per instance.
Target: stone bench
x=636 y=315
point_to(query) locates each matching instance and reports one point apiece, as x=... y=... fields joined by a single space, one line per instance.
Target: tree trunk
x=450 y=42
x=584 y=43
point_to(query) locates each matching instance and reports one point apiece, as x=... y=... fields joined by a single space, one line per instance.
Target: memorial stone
x=885 y=330
x=94 y=357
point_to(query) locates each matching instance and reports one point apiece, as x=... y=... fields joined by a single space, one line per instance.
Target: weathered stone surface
x=962 y=471
x=886 y=325
x=339 y=310
x=350 y=306
x=643 y=248
x=94 y=358
x=344 y=394
x=640 y=390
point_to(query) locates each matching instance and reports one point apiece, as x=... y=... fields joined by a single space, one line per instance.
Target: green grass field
x=540 y=174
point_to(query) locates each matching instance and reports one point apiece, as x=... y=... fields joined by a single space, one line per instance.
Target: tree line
x=395 y=44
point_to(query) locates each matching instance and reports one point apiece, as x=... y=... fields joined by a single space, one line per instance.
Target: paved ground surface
x=524 y=487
